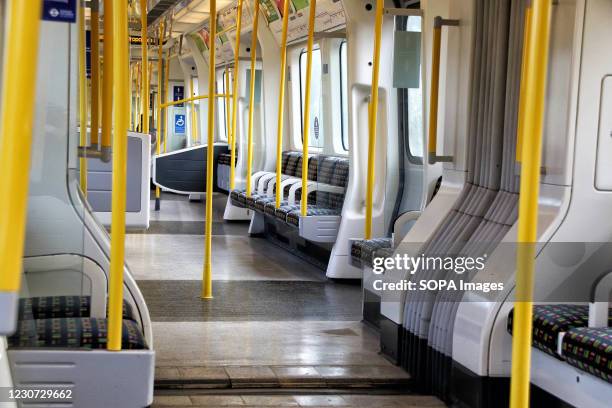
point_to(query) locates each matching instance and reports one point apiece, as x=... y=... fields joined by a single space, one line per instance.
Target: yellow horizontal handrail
x=226 y=30
x=195 y=98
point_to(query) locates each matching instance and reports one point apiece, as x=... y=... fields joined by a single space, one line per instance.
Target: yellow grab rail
x=533 y=125
x=249 y=168
x=95 y=73
x=227 y=106
x=524 y=65
x=306 y=127
x=166 y=81
x=145 y=66
x=82 y=98
x=119 y=186
x=372 y=119
x=107 y=88
x=194 y=128
x=281 y=103
x=195 y=98
x=160 y=67
x=435 y=89
x=235 y=96
x=207 y=272
x=19 y=84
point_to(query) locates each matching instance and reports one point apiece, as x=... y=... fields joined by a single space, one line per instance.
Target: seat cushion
x=293 y=217
x=74 y=332
x=589 y=349
x=260 y=203
x=550 y=320
x=238 y=198
x=250 y=201
x=50 y=307
x=281 y=212
x=363 y=250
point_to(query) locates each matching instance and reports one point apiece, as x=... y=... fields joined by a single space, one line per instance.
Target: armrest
x=599 y=302
x=312 y=187
x=256 y=176
x=261 y=184
x=284 y=183
x=401 y=221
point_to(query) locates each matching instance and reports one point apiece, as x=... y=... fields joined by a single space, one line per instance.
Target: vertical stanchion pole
x=249 y=169
x=16 y=134
x=207 y=275
x=95 y=73
x=145 y=66
x=107 y=88
x=120 y=86
x=306 y=127
x=281 y=103
x=372 y=123
x=524 y=65
x=82 y=99
x=533 y=125
x=235 y=96
x=227 y=106
x=160 y=67
x=194 y=121
x=166 y=81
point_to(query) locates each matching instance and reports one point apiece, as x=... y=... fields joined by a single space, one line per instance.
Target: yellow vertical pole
x=533 y=125
x=373 y=116
x=95 y=73
x=18 y=94
x=107 y=88
x=281 y=102
x=207 y=273
x=435 y=85
x=120 y=87
x=166 y=80
x=524 y=65
x=227 y=106
x=249 y=168
x=235 y=96
x=145 y=66
x=194 y=127
x=82 y=97
x=306 y=127
x=138 y=92
x=160 y=67
x=131 y=92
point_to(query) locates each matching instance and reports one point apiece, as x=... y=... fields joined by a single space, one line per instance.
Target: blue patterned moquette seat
x=589 y=349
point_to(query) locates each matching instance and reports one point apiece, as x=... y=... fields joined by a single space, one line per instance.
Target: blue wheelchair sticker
x=179 y=124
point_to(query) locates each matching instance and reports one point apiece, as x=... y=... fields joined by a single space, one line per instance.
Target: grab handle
x=435 y=87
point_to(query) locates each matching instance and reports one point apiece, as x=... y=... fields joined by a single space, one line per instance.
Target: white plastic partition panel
x=99 y=187
x=97 y=378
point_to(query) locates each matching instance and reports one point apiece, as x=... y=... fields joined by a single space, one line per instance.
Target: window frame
x=303 y=52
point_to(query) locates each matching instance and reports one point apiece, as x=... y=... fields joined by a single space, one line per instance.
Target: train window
x=316 y=128
x=344 y=95
x=221 y=104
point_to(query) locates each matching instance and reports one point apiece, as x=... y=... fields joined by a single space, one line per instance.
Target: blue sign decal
x=60 y=10
x=179 y=93
x=179 y=124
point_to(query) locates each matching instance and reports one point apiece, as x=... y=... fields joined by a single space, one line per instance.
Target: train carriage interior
x=308 y=203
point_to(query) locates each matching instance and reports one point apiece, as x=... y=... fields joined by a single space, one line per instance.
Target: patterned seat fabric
x=74 y=332
x=364 y=250
x=50 y=307
x=293 y=217
x=238 y=198
x=550 y=320
x=589 y=349
x=226 y=158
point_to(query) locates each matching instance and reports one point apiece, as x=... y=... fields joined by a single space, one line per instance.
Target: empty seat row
x=327 y=176
x=66 y=322
x=587 y=348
